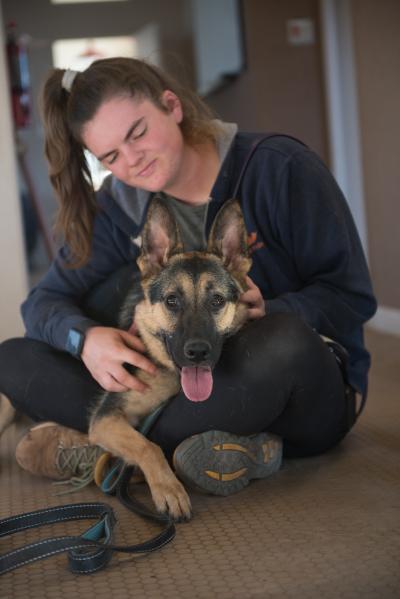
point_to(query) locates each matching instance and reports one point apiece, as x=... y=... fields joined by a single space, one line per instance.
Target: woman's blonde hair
x=65 y=114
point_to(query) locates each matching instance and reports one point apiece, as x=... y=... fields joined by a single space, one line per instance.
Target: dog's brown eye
x=172 y=302
x=217 y=301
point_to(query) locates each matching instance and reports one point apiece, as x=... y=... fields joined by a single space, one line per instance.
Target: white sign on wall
x=300 y=32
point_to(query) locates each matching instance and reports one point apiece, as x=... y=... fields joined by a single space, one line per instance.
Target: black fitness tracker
x=75 y=341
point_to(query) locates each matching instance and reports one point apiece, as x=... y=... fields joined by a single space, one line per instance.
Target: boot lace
x=79 y=461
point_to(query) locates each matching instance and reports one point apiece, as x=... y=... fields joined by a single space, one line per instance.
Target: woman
x=278 y=383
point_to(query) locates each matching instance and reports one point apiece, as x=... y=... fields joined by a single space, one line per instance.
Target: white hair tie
x=68 y=79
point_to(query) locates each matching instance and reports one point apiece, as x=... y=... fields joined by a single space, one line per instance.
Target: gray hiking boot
x=221 y=463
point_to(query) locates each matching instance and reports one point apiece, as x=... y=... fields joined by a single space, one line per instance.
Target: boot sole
x=222 y=463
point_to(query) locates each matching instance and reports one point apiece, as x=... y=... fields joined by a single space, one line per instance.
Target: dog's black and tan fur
x=189 y=305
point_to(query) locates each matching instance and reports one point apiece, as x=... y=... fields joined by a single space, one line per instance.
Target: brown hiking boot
x=57 y=452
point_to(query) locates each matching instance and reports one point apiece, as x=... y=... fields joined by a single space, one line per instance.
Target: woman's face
x=139 y=143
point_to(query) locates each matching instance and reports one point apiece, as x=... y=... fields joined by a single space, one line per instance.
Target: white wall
x=342 y=107
x=13 y=276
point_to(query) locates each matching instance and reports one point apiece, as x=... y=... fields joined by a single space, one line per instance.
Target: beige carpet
x=325 y=527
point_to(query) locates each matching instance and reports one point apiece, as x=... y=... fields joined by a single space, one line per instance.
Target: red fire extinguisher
x=19 y=77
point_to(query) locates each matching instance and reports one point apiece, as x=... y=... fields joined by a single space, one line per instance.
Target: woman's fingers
x=137 y=359
x=127 y=381
x=110 y=383
x=104 y=353
x=255 y=313
x=254 y=300
x=133 y=341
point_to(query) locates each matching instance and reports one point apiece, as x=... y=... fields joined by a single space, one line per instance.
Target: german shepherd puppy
x=189 y=305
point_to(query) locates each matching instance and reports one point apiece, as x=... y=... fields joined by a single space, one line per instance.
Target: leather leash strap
x=93 y=549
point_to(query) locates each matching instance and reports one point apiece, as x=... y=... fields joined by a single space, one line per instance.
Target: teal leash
x=91 y=551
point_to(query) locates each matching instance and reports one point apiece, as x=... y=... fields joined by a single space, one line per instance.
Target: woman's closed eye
x=133 y=137
x=111 y=159
x=136 y=135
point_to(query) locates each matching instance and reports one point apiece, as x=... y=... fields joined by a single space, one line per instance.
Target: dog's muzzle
x=196 y=374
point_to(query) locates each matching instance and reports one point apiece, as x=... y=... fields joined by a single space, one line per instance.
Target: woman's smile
x=148 y=170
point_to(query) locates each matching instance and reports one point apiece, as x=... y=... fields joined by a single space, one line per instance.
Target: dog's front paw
x=169 y=496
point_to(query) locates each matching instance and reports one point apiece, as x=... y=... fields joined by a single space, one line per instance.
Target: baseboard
x=386 y=320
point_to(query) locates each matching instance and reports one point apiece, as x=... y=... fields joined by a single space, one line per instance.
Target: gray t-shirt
x=192 y=219
x=191 y=223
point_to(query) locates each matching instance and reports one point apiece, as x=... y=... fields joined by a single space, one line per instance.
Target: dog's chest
x=162 y=386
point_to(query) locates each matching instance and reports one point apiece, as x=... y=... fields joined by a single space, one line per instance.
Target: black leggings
x=275 y=375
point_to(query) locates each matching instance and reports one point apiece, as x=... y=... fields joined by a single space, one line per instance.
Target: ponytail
x=68 y=171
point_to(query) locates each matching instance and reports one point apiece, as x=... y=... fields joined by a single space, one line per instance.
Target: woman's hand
x=254 y=300
x=104 y=352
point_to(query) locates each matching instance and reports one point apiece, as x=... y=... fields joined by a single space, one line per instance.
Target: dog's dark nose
x=197 y=350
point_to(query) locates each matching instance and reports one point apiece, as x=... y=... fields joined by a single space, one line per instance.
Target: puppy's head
x=192 y=299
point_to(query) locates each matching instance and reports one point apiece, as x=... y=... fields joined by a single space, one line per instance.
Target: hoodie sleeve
x=54 y=305
x=314 y=223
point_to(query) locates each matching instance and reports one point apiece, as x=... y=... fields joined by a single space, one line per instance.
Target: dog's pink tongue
x=197 y=382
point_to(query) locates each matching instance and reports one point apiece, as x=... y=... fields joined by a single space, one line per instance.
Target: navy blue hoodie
x=306 y=252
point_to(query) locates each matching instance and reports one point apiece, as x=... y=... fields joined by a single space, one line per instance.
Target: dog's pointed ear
x=228 y=239
x=160 y=238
